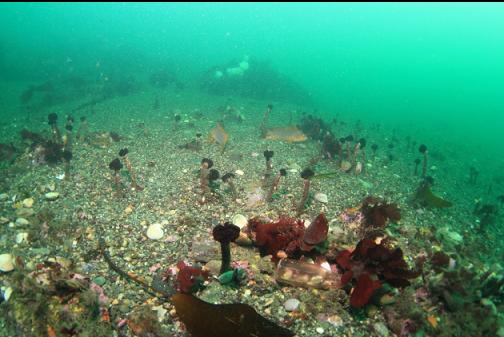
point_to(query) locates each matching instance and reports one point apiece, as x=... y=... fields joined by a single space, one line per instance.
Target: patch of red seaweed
x=189 y=279
x=377 y=212
x=284 y=234
x=370 y=264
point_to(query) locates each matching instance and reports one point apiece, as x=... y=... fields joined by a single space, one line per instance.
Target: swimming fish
x=289 y=134
x=218 y=135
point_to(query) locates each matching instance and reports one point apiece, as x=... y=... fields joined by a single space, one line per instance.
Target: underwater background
x=316 y=84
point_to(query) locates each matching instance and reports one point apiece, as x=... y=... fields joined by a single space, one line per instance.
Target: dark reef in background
x=259 y=81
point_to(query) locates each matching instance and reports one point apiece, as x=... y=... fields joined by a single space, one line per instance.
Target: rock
x=24 y=212
x=64 y=262
x=239 y=172
x=321 y=197
x=155 y=232
x=244 y=240
x=449 y=236
x=99 y=280
x=205 y=249
x=21 y=237
x=28 y=202
x=128 y=210
x=22 y=222
x=161 y=312
x=4 y=196
x=381 y=329
x=51 y=196
x=319 y=330
x=41 y=251
x=367 y=185
x=239 y=220
x=6 y=262
x=3 y=220
x=7 y=292
x=291 y=304
x=172 y=238
x=334 y=320
x=387 y=299
x=213 y=266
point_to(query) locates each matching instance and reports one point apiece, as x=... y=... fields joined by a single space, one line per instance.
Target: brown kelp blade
x=429 y=199
x=204 y=319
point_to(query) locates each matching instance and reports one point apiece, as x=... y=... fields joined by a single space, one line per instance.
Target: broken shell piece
x=321 y=197
x=21 y=237
x=345 y=166
x=6 y=262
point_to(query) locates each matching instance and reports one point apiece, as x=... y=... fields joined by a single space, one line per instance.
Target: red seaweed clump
x=289 y=235
x=316 y=233
x=284 y=234
x=378 y=212
x=371 y=264
x=189 y=279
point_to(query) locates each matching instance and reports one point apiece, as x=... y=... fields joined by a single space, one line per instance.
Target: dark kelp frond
x=426 y=198
x=204 y=319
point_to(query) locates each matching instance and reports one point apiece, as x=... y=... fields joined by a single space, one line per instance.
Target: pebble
x=7 y=292
x=99 y=280
x=321 y=197
x=4 y=196
x=239 y=172
x=3 y=220
x=155 y=232
x=128 y=210
x=240 y=221
x=51 y=196
x=28 y=202
x=6 y=262
x=320 y=330
x=22 y=222
x=381 y=329
x=161 y=312
x=24 y=212
x=291 y=304
x=387 y=299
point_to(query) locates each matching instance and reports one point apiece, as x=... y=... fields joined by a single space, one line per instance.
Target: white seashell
x=239 y=220
x=51 y=196
x=155 y=232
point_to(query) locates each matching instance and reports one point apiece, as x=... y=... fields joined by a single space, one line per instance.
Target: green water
x=435 y=67
x=427 y=73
